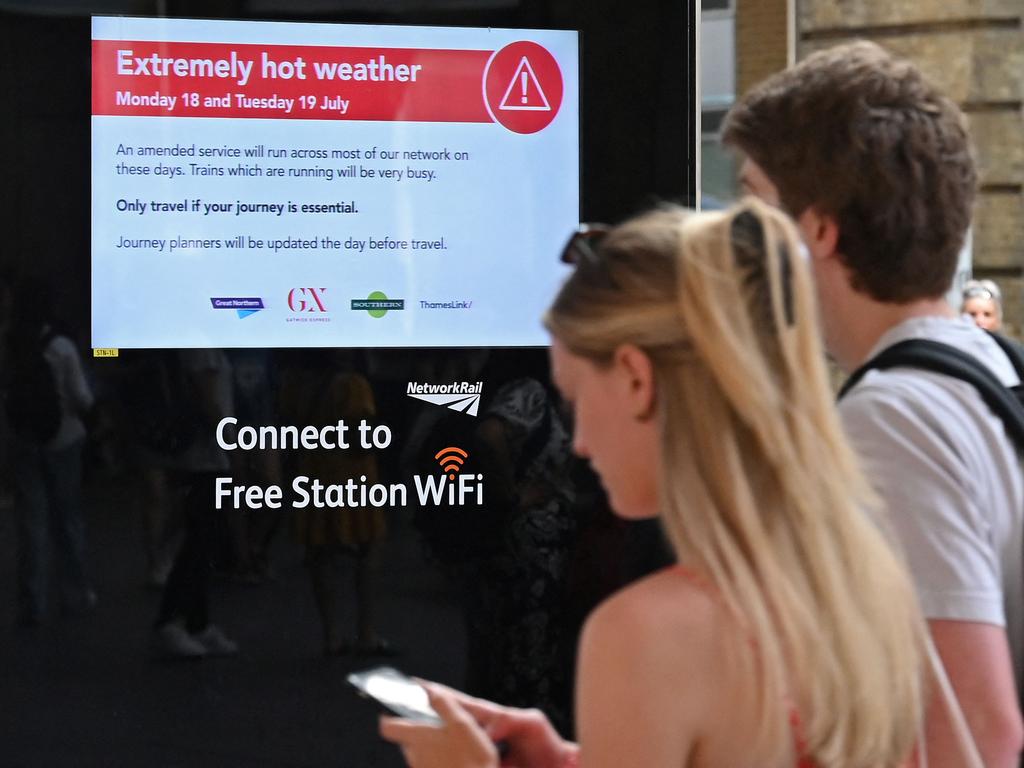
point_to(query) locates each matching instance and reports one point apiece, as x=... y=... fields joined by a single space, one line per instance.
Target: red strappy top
x=803 y=761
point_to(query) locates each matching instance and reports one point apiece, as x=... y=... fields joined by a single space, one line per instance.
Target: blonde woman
x=788 y=633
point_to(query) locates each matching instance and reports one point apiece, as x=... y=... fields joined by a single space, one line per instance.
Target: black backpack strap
x=1013 y=351
x=942 y=358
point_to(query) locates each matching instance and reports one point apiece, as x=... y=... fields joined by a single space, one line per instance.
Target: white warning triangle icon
x=524 y=93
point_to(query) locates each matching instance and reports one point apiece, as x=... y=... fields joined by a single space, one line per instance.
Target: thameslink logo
x=461 y=396
x=446 y=304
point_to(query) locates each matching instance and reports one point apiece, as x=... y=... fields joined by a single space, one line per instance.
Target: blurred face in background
x=984 y=311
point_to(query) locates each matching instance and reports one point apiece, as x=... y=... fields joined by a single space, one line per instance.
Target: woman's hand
x=458 y=742
x=529 y=739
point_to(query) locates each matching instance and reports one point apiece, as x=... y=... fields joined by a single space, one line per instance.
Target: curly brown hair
x=864 y=137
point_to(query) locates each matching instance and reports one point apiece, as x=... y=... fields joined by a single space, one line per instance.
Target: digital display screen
x=265 y=184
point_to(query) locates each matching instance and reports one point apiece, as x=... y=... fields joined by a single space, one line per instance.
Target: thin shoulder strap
x=968 y=748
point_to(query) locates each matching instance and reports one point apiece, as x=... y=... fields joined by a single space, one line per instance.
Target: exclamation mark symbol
x=522 y=82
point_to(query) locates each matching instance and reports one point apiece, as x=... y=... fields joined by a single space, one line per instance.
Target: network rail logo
x=244 y=306
x=461 y=396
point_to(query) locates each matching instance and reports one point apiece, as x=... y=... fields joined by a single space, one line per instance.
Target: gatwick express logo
x=308 y=305
x=461 y=396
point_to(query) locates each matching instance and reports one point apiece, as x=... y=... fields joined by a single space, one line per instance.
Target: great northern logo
x=461 y=396
x=244 y=306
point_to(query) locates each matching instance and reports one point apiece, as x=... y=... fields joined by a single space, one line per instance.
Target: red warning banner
x=175 y=79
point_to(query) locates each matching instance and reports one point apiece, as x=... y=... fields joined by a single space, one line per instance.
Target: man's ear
x=635 y=373
x=820 y=232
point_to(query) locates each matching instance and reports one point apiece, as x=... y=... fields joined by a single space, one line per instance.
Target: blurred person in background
x=47 y=396
x=325 y=389
x=984 y=303
x=183 y=629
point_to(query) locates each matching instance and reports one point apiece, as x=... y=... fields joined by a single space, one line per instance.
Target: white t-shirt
x=950 y=477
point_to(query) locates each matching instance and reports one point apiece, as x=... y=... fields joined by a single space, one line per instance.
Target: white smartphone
x=396 y=692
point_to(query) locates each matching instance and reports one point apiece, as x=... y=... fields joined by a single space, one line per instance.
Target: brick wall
x=762 y=31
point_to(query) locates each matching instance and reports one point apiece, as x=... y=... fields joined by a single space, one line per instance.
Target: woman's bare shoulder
x=641 y=649
x=665 y=600
x=668 y=622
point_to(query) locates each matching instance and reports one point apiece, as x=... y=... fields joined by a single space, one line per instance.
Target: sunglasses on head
x=978 y=293
x=583 y=243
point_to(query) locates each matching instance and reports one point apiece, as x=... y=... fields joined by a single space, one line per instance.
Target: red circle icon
x=523 y=87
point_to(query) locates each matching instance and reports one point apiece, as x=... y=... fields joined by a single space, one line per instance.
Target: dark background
x=84 y=690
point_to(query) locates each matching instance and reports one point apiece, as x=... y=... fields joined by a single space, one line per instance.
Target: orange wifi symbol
x=449 y=460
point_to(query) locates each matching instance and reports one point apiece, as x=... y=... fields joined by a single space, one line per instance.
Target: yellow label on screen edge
x=104 y=353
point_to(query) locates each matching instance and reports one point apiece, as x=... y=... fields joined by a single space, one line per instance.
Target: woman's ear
x=635 y=374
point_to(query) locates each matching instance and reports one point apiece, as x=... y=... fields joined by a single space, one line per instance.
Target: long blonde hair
x=760 y=491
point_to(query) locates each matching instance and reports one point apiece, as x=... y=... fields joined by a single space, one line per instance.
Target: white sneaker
x=214 y=642
x=171 y=641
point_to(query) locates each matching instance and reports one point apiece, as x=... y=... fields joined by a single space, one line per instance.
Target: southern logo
x=377 y=304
